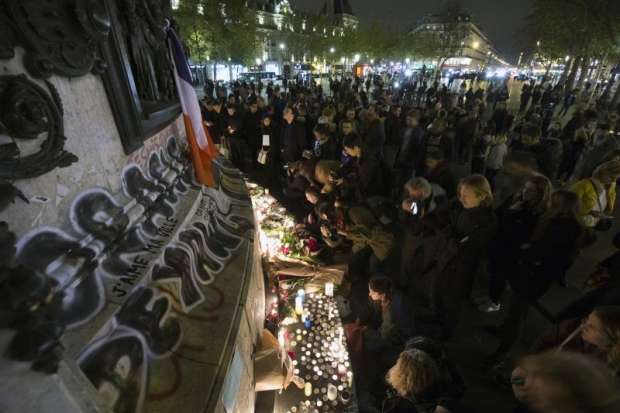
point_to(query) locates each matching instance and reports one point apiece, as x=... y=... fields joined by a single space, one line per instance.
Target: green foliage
x=219 y=30
x=557 y=28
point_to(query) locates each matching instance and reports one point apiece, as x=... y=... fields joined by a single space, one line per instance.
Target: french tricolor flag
x=201 y=147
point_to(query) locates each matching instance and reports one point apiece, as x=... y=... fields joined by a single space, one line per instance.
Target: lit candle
x=298 y=306
x=350 y=374
x=302 y=294
x=340 y=331
x=341 y=370
x=332 y=392
x=266 y=191
x=329 y=317
x=329 y=289
x=308 y=389
x=281 y=337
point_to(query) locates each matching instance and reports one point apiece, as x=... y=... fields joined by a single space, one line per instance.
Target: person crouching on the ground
x=391 y=320
x=423 y=211
x=415 y=379
x=450 y=374
x=371 y=243
x=461 y=243
x=555 y=244
x=566 y=382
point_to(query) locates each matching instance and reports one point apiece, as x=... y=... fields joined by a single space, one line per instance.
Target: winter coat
x=436 y=211
x=548 y=154
x=297 y=144
x=397 y=323
x=589 y=197
x=461 y=243
x=547 y=257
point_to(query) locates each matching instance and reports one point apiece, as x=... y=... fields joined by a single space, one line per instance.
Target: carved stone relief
x=139 y=79
x=59 y=36
x=29 y=112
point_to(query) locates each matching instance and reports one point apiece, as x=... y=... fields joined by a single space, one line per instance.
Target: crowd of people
x=374 y=170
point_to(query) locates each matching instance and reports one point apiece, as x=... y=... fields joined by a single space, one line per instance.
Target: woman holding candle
x=391 y=320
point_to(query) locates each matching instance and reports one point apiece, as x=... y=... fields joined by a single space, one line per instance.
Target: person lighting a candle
x=391 y=322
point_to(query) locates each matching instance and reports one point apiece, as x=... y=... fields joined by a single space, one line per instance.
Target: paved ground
x=471 y=345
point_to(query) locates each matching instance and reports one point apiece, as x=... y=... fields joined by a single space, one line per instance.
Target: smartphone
x=415 y=209
x=606 y=216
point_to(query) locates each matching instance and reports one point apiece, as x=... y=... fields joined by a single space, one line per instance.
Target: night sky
x=500 y=19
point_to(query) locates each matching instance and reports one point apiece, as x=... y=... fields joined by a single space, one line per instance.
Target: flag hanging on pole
x=201 y=147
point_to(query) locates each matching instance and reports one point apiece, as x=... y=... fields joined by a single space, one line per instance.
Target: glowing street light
x=475 y=45
x=332 y=50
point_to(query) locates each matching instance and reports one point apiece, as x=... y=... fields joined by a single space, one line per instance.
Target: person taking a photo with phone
x=423 y=211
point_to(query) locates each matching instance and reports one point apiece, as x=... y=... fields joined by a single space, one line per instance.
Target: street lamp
x=282 y=46
x=476 y=45
x=258 y=62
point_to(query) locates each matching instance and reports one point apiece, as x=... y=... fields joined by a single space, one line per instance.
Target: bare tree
x=447 y=31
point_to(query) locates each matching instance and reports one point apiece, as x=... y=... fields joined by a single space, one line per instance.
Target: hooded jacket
x=548 y=154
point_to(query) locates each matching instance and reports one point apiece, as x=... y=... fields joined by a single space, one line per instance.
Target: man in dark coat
x=434 y=141
x=366 y=179
x=232 y=125
x=546 y=151
x=374 y=135
x=293 y=140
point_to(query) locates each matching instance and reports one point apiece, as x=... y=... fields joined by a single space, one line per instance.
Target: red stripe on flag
x=201 y=158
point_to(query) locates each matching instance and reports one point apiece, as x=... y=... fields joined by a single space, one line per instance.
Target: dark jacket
x=461 y=243
x=252 y=129
x=436 y=213
x=547 y=257
x=548 y=154
x=235 y=122
x=515 y=228
x=555 y=335
x=396 y=322
x=392 y=129
x=293 y=141
x=374 y=136
x=366 y=179
x=444 y=177
x=432 y=144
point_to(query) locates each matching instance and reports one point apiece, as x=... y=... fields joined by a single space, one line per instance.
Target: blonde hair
x=479 y=184
x=414 y=372
x=501 y=138
x=610 y=318
x=611 y=168
x=582 y=383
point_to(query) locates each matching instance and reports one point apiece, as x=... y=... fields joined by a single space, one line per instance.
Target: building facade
x=475 y=52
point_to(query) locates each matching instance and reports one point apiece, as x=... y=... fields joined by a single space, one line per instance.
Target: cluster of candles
x=323 y=360
x=264 y=206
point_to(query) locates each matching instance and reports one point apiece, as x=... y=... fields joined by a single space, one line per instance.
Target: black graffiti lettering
x=120 y=291
x=171 y=219
x=135 y=270
x=127 y=280
x=159 y=242
x=140 y=261
x=151 y=248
